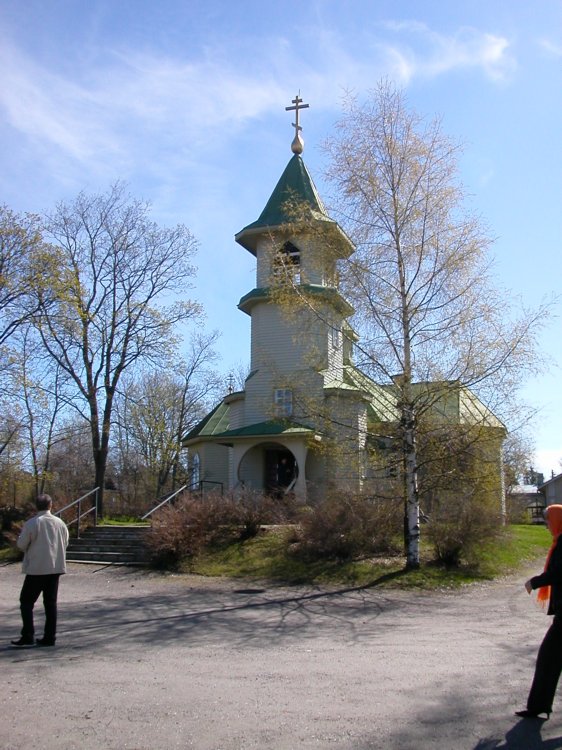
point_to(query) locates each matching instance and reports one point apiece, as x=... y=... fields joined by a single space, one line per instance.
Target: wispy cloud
x=552 y=49
x=418 y=51
x=131 y=95
x=147 y=107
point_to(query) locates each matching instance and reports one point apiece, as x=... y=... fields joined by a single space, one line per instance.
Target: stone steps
x=110 y=545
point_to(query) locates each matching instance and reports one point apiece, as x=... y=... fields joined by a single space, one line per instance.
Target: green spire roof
x=295 y=186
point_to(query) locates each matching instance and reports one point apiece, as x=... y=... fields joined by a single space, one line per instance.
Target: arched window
x=288 y=262
x=195 y=466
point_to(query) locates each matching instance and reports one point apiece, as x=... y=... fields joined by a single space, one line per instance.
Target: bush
x=10 y=516
x=347 y=526
x=255 y=509
x=183 y=530
x=11 y=520
x=458 y=529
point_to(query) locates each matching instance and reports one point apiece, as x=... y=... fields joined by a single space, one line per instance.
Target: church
x=308 y=417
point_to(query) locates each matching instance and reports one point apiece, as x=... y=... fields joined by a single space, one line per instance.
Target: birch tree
x=109 y=305
x=20 y=240
x=427 y=307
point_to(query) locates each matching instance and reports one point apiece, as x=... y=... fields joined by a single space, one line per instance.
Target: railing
x=164 y=502
x=79 y=514
x=291 y=486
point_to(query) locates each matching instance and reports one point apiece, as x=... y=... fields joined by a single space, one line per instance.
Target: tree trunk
x=100 y=462
x=411 y=499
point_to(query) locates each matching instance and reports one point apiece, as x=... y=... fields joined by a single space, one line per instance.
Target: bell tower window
x=288 y=262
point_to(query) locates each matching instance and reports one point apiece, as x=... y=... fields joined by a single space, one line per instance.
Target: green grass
x=10 y=554
x=521 y=544
x=265 y=557
x=122 y=521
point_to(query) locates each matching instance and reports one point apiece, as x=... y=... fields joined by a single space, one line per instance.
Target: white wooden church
x=304 y=395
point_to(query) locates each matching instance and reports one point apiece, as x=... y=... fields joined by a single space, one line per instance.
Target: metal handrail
x=164 y=502
x=80 y=515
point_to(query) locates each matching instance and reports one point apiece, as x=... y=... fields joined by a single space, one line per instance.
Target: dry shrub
x=256 y=509
x=13 y=517
x=11 y=521
x=346 y=526
x=458 y=529
x=185 y=529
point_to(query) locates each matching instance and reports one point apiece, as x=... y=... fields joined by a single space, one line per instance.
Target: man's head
x=44 y=502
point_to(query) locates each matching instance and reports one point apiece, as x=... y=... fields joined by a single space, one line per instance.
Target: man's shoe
x=526 y=714
x=23 y=643
x=42 y=642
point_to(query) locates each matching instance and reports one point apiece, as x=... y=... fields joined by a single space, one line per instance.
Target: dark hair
x=43 y=502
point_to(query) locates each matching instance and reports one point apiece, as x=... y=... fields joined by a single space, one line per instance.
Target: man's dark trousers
x=33 y=586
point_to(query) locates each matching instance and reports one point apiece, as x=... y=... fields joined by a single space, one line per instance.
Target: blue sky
x=185 y=100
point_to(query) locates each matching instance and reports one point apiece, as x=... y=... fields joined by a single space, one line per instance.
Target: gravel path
x=152 y=662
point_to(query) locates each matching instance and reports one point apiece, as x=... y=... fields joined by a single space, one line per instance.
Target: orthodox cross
x=297 y=145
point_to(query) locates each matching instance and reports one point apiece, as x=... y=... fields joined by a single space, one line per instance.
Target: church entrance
x=280 y=471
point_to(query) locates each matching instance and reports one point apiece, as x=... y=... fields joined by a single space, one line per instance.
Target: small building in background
x=552 y=490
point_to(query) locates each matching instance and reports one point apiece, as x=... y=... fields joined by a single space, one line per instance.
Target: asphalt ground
x=151 y=662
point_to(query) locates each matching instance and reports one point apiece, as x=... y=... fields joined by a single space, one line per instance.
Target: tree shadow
x=524 y=735
x=254 y=617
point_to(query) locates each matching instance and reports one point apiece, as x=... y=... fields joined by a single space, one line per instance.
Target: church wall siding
x=349 y=430
x=214 y=465
x=279 y=358
x=288 y=340
x=251 y=469
x=236 y=415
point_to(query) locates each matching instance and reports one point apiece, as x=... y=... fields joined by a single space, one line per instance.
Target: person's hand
x=528 y=586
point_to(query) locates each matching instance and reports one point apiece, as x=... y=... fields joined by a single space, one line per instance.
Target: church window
x=283 y=402
x=195 y=471
x=288 y=262
x=335 y=337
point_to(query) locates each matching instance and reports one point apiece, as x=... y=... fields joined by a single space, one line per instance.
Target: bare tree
x=70 y=461
x=426 y=304
x=40 y=387
x=158 y=408
x=518 y=451
x=103 y=311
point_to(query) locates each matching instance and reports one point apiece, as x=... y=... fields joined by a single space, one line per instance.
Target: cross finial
x=297 y=145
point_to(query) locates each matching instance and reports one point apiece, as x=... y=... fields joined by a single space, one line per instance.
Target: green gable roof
x=265 y=429
x=216 y=421
x=216 y=426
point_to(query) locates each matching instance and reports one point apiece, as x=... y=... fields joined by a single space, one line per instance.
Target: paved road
x=152 y=662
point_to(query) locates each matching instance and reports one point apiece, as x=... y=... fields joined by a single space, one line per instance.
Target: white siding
x=214 y=464
x=236 y=414
x=251 y=469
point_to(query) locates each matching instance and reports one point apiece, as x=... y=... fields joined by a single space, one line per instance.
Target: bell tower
x=293 y=236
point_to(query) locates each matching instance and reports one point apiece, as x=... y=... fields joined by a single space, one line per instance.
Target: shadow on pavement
x=123 y=611
x=525 y=735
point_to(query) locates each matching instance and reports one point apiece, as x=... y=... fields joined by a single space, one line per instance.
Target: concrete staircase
x=110 y=545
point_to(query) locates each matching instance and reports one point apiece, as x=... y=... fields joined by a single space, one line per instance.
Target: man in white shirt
x=43 y=539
